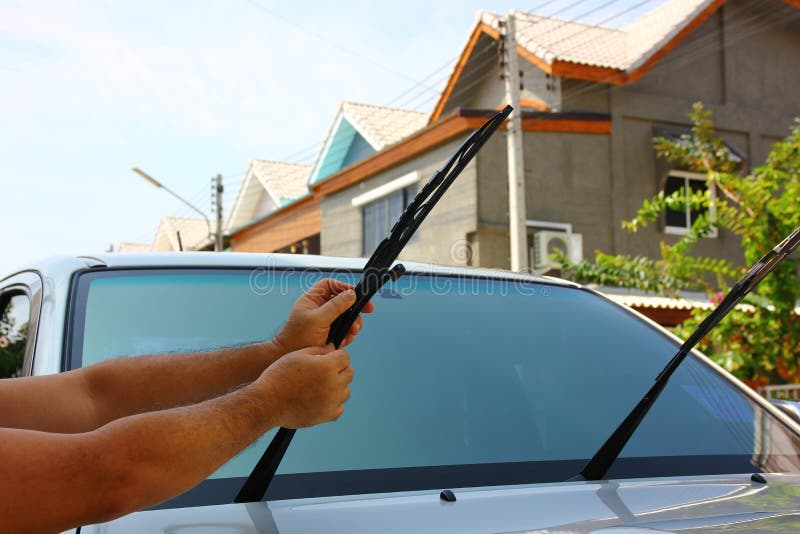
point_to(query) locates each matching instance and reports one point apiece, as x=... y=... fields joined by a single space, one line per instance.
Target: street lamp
x=159 y=185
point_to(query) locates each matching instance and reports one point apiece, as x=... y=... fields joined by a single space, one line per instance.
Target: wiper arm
x=598 y=466
x=377 y=272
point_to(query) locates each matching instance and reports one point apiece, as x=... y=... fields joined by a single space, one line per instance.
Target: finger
x=337 y=305
x=320 y=292
x=320 y=350
x=369 y=308
x=340 y=359
x=330 y=287
x=345 y=395
x=347 y=374
x=356 y=327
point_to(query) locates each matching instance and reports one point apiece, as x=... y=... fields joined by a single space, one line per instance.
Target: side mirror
x=790 y=408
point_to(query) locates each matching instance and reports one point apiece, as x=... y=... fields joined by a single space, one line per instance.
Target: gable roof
x=282 y=182
x=356 y=125
x=130 y=246
x=596 y=53
x=194 y=234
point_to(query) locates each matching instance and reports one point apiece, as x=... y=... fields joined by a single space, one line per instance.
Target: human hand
x=309 y=386
x=311 y=316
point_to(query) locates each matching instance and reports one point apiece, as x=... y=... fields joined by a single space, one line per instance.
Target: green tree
x=759 y=343
x=12 y=345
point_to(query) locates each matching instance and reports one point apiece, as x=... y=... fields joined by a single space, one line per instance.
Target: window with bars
x=379 y=215
x=680 y=221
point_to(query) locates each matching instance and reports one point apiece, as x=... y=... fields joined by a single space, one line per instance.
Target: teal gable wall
x=346 y=147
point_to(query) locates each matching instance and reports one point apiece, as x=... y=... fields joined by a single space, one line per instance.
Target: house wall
x=742 y=64
x=490 y=93
x=440 y=238
x=280 y=229
x=567 y=179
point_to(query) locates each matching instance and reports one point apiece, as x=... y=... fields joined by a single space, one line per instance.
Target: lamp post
x=159 y=185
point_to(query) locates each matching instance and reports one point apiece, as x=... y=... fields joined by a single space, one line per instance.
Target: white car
x=494 y=386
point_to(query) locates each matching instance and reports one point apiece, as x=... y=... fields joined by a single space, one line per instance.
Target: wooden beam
x=533 y=103
x=675 y=41
x=280 y=228
x=418 y=143
x=579 y=71
x=566 y=126
x=536 y=60
x=480 y=29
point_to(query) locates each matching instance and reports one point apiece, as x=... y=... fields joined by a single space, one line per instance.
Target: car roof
x=63 y=265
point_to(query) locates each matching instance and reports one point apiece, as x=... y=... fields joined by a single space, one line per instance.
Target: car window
x=14 y=319
x=459 y=382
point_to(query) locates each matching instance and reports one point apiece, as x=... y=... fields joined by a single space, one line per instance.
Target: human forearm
x=128 y=386
x=126 y=465
x=175 y=449
x=50 y=482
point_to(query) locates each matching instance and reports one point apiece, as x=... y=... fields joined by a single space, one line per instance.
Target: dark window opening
x=380 y=215
x=16 y=312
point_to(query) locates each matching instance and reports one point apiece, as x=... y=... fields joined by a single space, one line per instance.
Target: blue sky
x=185 y=89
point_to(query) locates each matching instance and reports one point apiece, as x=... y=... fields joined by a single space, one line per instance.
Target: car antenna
x=180 y=243
x=377 y=271
x=602 y=460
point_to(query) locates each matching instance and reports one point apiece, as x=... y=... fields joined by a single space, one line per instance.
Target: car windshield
x=460 y=381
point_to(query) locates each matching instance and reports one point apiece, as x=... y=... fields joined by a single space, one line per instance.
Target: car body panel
x=731 y=503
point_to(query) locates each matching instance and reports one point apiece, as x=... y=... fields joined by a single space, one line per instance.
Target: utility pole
x=218 y=189
x=516 y=169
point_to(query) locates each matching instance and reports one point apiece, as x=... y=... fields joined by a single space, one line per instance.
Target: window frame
x=366 y=200
x=423 y=478
x=687 y=176
x=28 y=284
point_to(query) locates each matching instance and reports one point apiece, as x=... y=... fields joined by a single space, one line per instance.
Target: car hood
x=684 y=504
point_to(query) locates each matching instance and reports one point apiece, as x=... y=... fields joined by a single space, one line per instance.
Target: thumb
x=337 y=305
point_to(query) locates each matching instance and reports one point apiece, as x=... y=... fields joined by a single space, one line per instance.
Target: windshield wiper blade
x=377 y=272
x=600 y=463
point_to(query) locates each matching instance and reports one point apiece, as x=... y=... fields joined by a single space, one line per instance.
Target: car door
x=20 y=303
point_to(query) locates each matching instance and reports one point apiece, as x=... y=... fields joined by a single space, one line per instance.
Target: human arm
x=51 y=482
x=95 y=395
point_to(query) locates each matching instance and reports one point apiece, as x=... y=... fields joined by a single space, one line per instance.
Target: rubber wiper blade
x=600 y=463
x=377 y=272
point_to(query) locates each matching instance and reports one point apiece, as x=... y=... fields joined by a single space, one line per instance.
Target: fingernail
x=350 y=294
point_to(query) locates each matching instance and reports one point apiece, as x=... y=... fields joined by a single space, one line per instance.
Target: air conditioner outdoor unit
x=546 y=241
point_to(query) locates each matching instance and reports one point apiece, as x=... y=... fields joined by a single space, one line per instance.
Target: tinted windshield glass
x=488 y=381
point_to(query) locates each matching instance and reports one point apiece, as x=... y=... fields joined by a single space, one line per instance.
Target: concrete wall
x=440 y=239
x=567 y=180
x=742 y=64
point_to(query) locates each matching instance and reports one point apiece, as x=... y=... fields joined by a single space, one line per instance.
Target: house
x=293 y=225
x=175 y=234
x=592 y=100
x=182 y=233
x=267 y=187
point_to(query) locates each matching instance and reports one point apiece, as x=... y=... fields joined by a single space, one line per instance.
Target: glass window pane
x=538 y=389
x=396 y=206
x=13 y=335
x=675 y=217
x=369 y=229
x=697 y=186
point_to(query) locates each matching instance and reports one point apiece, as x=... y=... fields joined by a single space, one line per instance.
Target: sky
x=186 y=89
